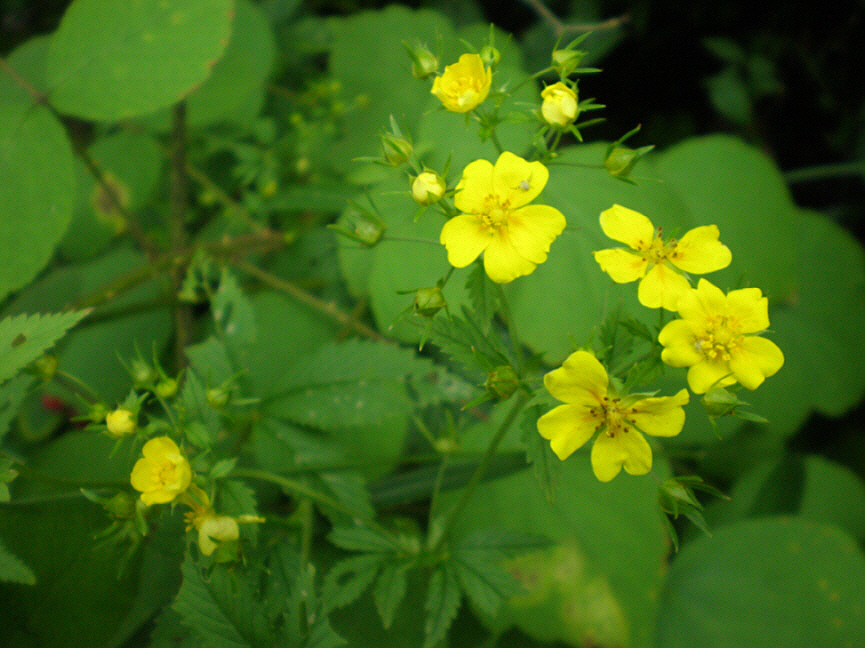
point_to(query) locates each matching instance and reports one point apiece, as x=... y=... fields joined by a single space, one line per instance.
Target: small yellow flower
x=592 y=405
x=659 y=264
x=560 y=105
x=716 y=338
x=214 y=529
x=428 y=188
x=162 y=473
x=464 y=84
x=497 y=219
x=120 y=423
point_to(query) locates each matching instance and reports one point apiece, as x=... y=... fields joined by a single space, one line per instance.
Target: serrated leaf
x=484 y=296
x=389 y=591
x=442 y=604
x=483 y=579
x=322 y=635
x=460 y=338
x=193 y=401
x=233 y=311
x=23 y=338
x=212 y=607
x=545 y=465
x=13 y=570
x=12 y=394
x=360 y=539
x=349 y=578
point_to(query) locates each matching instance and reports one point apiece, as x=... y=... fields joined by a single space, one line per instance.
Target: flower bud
x=397 y=150
x=120 y=423
x=560 y=106
x=565 y=61
x=217 y=397
x=166 y=388
x=502 y=382
x=428 y=188
x=423 y=62
x=621 y=160
x=46 y=367
x=121 y=506
x=143 y=375
x=215 y=529
x=490 y=55
x=429 y=301
x=719 y=402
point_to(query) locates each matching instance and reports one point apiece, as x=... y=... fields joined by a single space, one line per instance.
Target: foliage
x=207 y=225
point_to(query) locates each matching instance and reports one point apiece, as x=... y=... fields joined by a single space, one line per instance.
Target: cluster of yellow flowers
x=716 y=335
x=163 y=474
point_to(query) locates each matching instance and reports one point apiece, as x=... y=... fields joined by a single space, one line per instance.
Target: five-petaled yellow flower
x=497 y=219
x=464 y=84
x=656 y=262
x=162 y=473
x=592 y=405
x=716 y=338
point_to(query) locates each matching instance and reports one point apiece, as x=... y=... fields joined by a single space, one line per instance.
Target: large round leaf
x=108 y=62
x=765 y=583
x=37 y=191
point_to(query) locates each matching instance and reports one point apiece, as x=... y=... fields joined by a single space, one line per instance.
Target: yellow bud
x=428 y=188
x=560 y=106
x=215 y=529
x=464 y=84
x=120 y=423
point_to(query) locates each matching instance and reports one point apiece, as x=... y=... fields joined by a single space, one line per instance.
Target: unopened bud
x=423 y=62
x=502 y=382
x=166 y=388
x=428 y=188
x=143 y=375
x=565 y=61
x=217 y=397
x=120 y=423
x=621 y=160
x=490 y=55
x=46 y=367
x=397 y=150
x=719 y=402
x=560 y=107
x=429 y=301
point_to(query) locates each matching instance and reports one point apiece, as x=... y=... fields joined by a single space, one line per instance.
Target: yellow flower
x=428 y=188
x=593 y=406
x=560 y=105
x=162 y=473
x=463 y=85
x=120 y=423
x=214 y=529
x=657 y=263
x=715 y=338
x=497 y=219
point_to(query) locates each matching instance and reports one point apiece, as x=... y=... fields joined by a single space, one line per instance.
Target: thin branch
x=327 y=308
x=178 y=203
x=227 y=201
x=38 y=97
x=561 y=28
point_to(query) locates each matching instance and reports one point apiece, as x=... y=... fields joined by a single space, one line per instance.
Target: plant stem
x=823 y=171
x=177 y=228
x=481 y=470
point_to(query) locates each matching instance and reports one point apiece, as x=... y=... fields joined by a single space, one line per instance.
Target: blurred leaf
x=23 y=338
x=37 y=193
x=233 y=312
x=484 y=296
x=483 y=579
x=389 y=591
x=348 y=579
x=729 y=95
x=12 y=394
x=105 y=65
x=361 y=539
x=28 y=60
x=12 y=570
x=766 y=582
x=442 y=604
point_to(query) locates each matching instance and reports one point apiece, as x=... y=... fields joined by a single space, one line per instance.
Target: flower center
x=167 y=475
x=657 y=251
x=495 y=214
x=611 y=416
x=722 y=337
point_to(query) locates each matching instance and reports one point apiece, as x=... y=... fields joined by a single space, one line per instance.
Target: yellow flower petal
x=662 y=287
x=756 y=359
x=567 y=427
x=705 y=375
x=502 y=262
x=679 y=342
x=518 y=181
x=750 y=309
x=215 y=529
x=661 y=416
x=701 y=303
x=581 y=380
x=162 y=473
x=464 y=84
x=628 y=226
x=622 y=266
x=699 y=251
x=465 y=237
x=629 y=449
x=474 y=187
x=533 y=228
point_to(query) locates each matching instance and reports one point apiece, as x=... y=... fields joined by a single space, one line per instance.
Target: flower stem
x=481 y=470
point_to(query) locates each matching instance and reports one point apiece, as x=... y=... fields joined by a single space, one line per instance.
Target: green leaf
x=213 y=608
x=466 y=343
x=390 y=590
x=24 y=338
x=12 y=395
x=108 y=65
x=483 y=579
x=233 y=312
x=348 y=579
x=442 y=604
x=37 y=194
x=545 y=464
x=767 y=582
x=484 y=296
x=12 y=570
x=361 y=539
x=28 y=60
